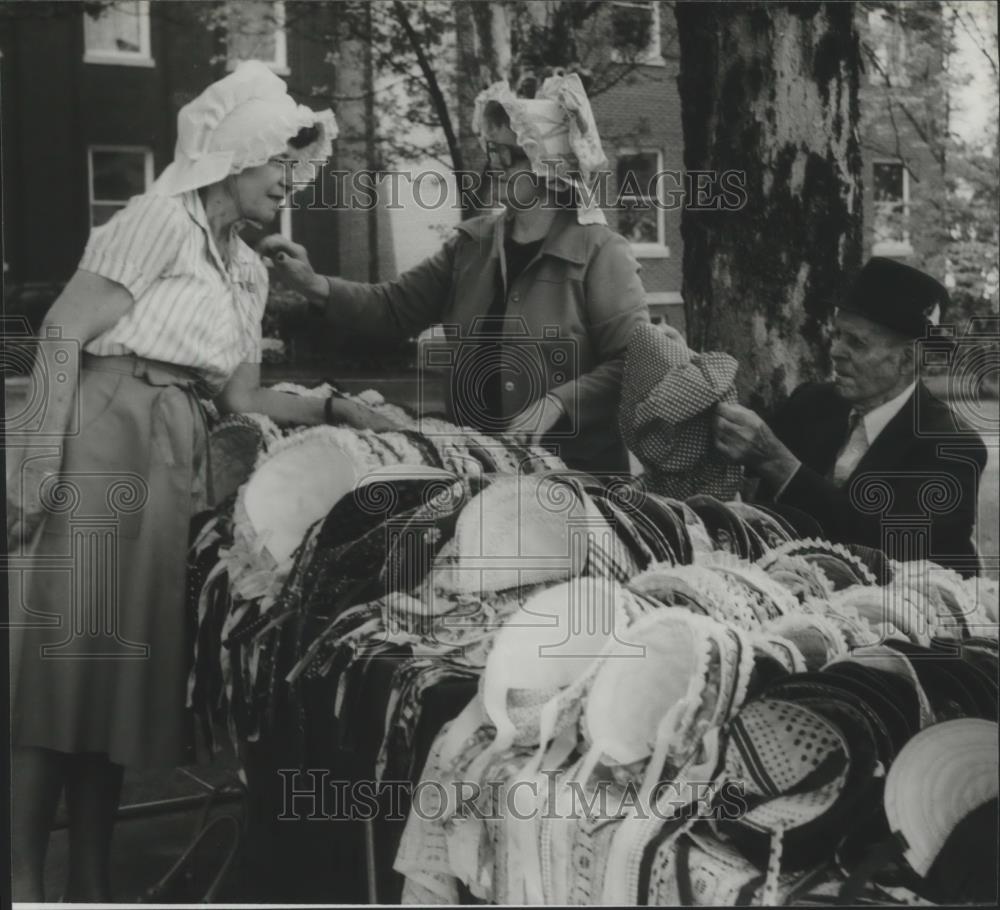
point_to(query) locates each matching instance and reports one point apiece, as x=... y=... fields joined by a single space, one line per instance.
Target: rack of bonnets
x=664 y=702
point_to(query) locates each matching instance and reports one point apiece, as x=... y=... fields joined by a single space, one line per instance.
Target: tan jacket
x=570 y=314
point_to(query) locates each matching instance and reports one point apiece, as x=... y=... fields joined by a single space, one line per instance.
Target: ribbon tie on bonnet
x=239 y=122
x=558 y=133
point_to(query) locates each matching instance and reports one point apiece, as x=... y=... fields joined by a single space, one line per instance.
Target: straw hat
x=941 y=776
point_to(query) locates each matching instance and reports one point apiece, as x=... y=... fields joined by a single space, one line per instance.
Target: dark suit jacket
x=913 y=494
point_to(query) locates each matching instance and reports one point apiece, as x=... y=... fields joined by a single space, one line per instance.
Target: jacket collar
x=566 y=239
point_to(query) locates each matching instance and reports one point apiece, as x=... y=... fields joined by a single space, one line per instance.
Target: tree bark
x=770 y=91
x=483 y=37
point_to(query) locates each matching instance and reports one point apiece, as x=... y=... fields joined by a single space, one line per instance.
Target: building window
x=118 y=34
x=255 y=30
x=887 y=45
x=640 y=219
x=891 y=197
x=636 y=24
x=116 y=174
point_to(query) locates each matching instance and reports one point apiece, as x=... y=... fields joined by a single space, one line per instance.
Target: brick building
x=641 y=130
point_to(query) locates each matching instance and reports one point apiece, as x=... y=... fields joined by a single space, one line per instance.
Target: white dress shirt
x=875 y=421
x=878 y=418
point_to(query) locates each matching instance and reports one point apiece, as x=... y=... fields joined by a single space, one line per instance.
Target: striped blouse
x=190 y=309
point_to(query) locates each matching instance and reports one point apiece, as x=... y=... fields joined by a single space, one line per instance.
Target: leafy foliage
x=916 y=98
x=412 y=50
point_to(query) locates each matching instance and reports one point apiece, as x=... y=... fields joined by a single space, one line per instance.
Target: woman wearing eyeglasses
x=166 y=306
x=542 y=297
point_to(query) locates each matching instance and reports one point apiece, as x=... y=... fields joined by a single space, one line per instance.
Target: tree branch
x=437 y=98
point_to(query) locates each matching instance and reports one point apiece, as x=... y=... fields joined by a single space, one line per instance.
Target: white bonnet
x=240 y=122
x=557 y=131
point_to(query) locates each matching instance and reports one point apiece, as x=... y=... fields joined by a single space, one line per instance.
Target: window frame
x=652 y=55
x=148 y=172
x=645 y=250
x=108 y=57
x=279 y=66
x=890 y=248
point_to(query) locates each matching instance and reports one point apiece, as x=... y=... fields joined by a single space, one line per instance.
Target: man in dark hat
x=873 y=456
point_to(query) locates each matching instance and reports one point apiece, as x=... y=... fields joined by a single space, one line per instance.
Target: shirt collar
x=191 y=200
x=193 y=205
x=877 y=418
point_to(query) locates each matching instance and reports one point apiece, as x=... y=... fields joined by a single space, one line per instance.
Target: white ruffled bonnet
x=240 y=122
x=558 y=133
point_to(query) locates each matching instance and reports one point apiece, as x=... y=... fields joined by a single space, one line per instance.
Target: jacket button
x=509 y=386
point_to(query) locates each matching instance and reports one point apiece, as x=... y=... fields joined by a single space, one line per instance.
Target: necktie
x=853 y=450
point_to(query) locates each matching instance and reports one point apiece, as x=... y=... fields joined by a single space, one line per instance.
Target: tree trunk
x=770 y=91
x=484 y=56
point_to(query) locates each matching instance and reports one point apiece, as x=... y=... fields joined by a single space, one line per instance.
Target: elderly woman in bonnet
x=543 y=295
x=166 y=308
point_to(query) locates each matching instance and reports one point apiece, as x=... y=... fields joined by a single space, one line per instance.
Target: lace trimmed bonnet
x=558 y=133
x=239 y=122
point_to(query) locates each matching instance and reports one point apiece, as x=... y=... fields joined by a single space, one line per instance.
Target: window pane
x=636 y=175
x=888 y=188
x=887 y=182
x=116 y=30
x=632 y=27
x=118 y=176
x=101 y=214
x=890 y=223
x=252 y=28
x=639 y=225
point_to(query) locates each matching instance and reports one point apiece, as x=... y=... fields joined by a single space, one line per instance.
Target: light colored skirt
x=99 y=640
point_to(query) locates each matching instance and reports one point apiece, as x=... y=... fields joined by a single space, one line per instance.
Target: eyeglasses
x=504 y=154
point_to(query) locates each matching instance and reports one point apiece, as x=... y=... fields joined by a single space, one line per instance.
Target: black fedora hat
x=898 y=297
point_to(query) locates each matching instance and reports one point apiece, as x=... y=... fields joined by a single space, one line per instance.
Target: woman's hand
x=360 y=416
x=25 y=507
x=290 y=262
x=535 y=421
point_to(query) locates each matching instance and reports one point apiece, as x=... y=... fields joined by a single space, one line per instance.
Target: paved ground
x=147 y=845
